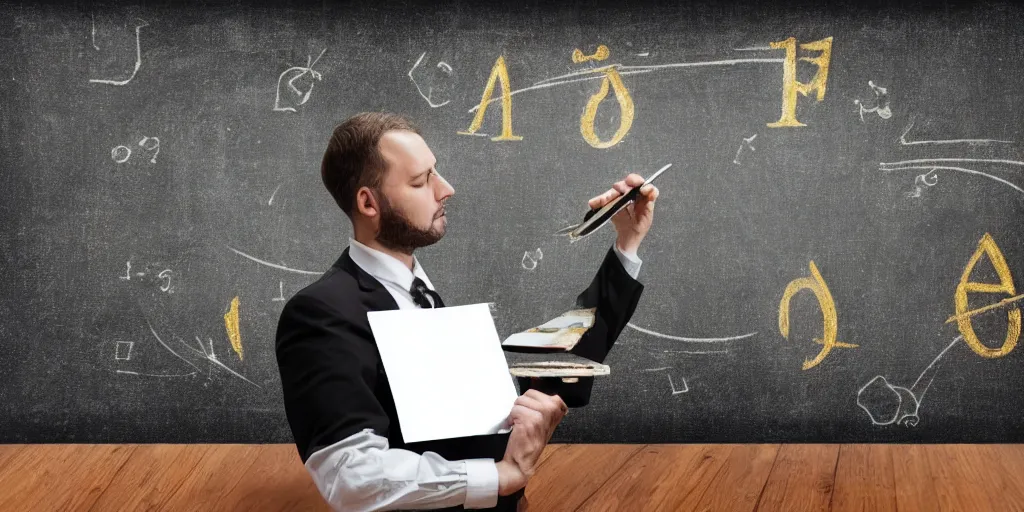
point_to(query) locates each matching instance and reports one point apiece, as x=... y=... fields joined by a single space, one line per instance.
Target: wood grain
x=573 y=473
x=802 y=478
x=864 y=479
x=733 y=477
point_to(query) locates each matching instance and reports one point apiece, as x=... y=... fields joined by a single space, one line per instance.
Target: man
x=339 y=404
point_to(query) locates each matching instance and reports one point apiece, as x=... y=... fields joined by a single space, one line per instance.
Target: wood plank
x=743 y=476
x=582 y=477
x=802 y=479
x=660 y=477
x=572 y=473
x=912 y=476
x=1010 y=473
x=23 y=472
x=962 y=478
x=548 y=451
x=151 y=476
x=61 y=477
x=8 y=452
x=275 y=481
x=21 y=461
x=217 y=472
x=864 y=479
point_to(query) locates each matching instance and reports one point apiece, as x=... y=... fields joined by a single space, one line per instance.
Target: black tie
x=420 y=292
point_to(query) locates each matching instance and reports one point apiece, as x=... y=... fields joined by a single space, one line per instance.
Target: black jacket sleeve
x=615 y=294
x=329 y=369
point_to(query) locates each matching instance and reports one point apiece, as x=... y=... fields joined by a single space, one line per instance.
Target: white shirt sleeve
x=630 y=261
x=361 y=472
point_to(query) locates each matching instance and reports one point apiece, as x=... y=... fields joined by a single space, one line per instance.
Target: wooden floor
x=734 y=477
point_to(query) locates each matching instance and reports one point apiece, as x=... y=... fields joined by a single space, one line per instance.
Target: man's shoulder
x=336 y=293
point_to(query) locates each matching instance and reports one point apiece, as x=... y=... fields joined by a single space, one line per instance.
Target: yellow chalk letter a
x=499 y=71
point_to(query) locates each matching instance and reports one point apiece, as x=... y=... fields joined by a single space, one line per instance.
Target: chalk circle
x=120 y=154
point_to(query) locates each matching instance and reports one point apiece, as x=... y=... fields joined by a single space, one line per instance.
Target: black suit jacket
x=334 y=382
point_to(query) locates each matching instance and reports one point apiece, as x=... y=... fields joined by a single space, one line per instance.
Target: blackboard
x=161 y=161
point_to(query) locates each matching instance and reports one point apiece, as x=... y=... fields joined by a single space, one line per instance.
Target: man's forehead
x=406 y=152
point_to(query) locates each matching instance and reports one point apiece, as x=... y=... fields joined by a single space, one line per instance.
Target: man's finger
x=649 y=192
x=523 y=414
x=551 y=406
x=618 y=188
x=601 y=200
x=533 y=393
x=530 y=402
x=560 y=404
x=520 y=413
x=645 y=202
x=634 y=180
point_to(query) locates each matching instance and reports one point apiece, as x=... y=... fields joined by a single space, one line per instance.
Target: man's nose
x=444 y=190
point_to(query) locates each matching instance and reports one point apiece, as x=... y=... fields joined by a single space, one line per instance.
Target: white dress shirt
x=361 y=472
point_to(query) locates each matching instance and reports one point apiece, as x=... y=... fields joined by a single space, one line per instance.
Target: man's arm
x=615 y=290
x=328 y=372
x=361 y=472
x=615 y=293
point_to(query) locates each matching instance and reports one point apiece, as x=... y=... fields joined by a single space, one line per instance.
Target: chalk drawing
x=747 y=142
x=886 y=404
x=531 y=258
x=972 y=142
x=432 y=82
x=123 y=351
x=881 y=103
x=294 y=73
x=138 y=57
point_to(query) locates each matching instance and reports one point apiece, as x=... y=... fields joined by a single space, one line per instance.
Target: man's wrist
x=510 y=477
x=627 y=246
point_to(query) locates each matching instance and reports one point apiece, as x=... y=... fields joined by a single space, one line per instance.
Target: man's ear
x=366 y=202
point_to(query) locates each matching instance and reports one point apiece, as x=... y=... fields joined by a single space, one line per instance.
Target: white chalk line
x=957 y=169
x=670 y=382
x=271 y=201
x=430 y=102
x=688 y=339
x=272 y=265
x=953 y=160
x=126 y=372
x=138 y=57
x=674 y=391
x=169 y=349
x=914 y=386
x=905 y=142
x=211 y=357
x=693 y=352
x=598 y=73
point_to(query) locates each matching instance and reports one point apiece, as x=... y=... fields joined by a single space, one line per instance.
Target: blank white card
x=447 y=371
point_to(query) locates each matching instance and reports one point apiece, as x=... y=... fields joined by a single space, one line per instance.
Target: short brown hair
x=353 y=160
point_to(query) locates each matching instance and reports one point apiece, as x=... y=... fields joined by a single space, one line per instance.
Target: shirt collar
x=385 y=267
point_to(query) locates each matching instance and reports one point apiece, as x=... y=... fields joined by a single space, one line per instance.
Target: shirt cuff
x=481 y=483
x=630 y=261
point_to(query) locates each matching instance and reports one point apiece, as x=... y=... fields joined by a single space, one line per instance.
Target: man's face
x=412 y=194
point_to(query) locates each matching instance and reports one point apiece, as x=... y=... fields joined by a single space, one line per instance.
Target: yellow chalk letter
x=987 y=247
x=816 y=284
x=790 y=86
x=498 y=72
x=613 y=80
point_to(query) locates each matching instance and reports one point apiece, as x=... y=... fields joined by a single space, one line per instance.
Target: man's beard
x=399 y=234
